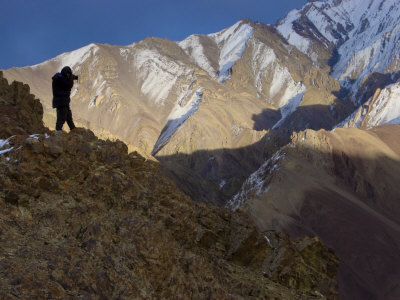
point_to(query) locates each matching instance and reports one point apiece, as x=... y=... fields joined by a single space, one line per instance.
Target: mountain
x=363 y=36
x=223 y=90
x=342 y=186
x=218 y=111
x=82 y=218
x=199 y=100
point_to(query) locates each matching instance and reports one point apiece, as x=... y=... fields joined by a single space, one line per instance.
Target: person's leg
x=62 y=112
x=70 y=122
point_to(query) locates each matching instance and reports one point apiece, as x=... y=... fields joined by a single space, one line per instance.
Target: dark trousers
x=64 y=114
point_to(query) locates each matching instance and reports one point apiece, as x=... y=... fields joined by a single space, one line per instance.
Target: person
x=62 y=85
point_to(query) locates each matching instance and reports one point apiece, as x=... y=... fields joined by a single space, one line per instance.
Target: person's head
x=66 y=71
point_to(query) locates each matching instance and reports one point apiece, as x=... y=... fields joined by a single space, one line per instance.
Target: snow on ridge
x=179 y=114
x=369 y=51
x=383 y=110
x=285 y=28
x=73 y=59
x=257 y=183
x=386 y=108
x=157 y=73
x=221 y=36
x=195 y=50
x=263 y=56
x=77 y=57
x=289 y=108
x=367 y=33
x=124 y=52
x=233 y=42
x=325 y=15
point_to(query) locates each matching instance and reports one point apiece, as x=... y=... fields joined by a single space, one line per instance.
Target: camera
x=74 y=77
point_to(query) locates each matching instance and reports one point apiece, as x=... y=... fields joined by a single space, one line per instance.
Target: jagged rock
x=20 y=112
x=80 y=217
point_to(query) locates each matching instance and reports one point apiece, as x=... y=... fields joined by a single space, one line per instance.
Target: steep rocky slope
x=343 y=187
x=82 y=218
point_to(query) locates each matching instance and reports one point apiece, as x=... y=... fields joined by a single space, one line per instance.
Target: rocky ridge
x=21 y=112
x=80 y=217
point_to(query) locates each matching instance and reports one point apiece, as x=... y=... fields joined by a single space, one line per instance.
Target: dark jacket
x=61 y=90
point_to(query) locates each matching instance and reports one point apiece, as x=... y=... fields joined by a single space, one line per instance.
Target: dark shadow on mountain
x=304 y=117
x=375 y=81
x=266 y=120
x=368 y=248
x=344 y=92
x=366 y=242
x=214 y=176
x=335 y=56
x=368 y=88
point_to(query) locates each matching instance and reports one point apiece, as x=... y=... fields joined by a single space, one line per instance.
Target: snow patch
x=158 y=74
x=195 y=50
x=285 y=28
x=282 y=80
x=263 y=57
x=4 y=143
x=232 y=43
x=222 y=183
x=383 y=111
x=76 y=58
x=268 y=240
x=289 y=108
x=92 y=102
x=179 y=114
x=258 y=182
x=35 y=136
x=124 y=52
x=386 y=108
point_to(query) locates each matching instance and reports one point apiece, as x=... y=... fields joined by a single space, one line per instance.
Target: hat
x=66 y=70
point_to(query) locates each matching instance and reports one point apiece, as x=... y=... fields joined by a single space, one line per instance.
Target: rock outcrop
x=20 y=112
x=82 y=218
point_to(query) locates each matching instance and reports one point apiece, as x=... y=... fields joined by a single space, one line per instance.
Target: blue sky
x=33 y=31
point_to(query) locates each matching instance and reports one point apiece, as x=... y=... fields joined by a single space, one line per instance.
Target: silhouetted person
x=62 y=85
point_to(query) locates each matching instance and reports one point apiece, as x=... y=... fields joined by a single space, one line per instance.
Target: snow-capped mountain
x=363 y=35
x=223 y=90
x=216 y=109
x=230 y=42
